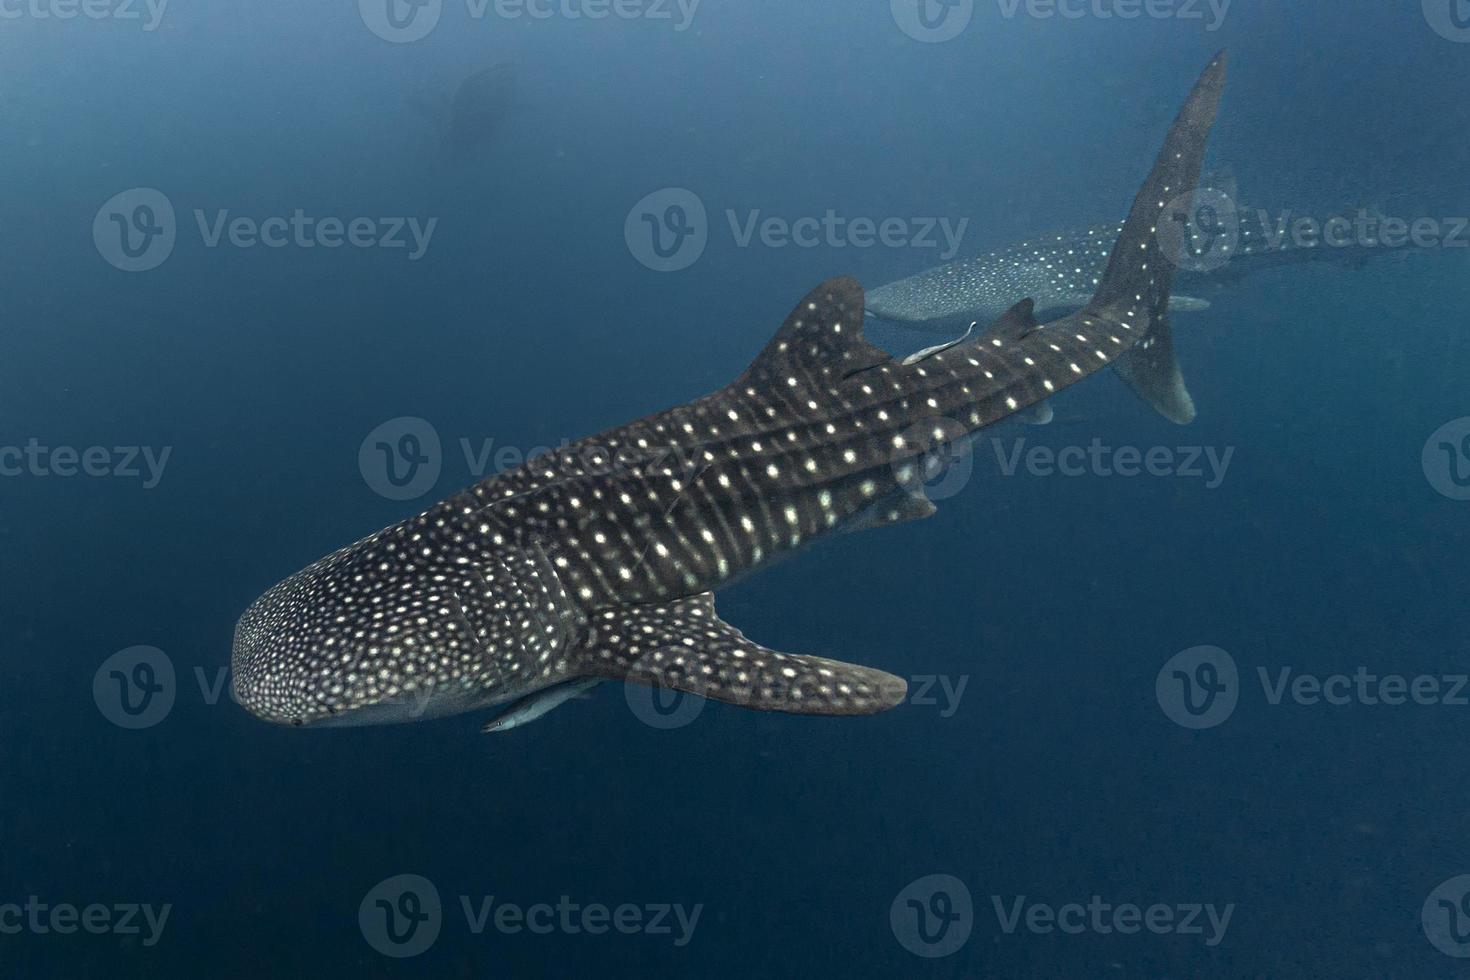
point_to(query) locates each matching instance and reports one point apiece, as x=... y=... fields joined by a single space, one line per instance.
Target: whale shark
x=1060 y=271
x=599 y=562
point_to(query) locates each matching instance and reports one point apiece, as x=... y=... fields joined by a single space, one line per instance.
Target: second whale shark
x=598 y=563
x=1060 y=271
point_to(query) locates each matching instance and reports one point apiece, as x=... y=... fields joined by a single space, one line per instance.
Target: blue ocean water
x=1088 y=823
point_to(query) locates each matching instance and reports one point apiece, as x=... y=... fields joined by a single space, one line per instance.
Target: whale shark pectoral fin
x=683 y=645
x=533 y=706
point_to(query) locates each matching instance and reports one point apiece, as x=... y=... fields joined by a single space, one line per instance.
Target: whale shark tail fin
x=1135 y=288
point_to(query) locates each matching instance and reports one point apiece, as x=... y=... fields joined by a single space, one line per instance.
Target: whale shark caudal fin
x=1135 y=288
x=685 y=646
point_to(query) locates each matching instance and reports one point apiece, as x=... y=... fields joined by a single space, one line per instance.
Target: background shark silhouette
x=598 y=564
x=475 y=113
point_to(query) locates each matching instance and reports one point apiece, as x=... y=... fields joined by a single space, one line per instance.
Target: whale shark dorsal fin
x=684 y=646
x=823 y=337
x=1014 y=323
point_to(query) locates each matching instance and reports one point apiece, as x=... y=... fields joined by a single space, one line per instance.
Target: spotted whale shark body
x=598 y=563
x=1060 y=271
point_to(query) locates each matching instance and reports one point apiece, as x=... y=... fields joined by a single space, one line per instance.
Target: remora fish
x=1060 y=271
x=598 y=564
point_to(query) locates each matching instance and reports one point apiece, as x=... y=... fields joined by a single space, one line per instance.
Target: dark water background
x=1056 y=776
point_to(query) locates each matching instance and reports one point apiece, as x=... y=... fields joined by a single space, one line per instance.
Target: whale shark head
x=360 y=637
x=438 y=615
